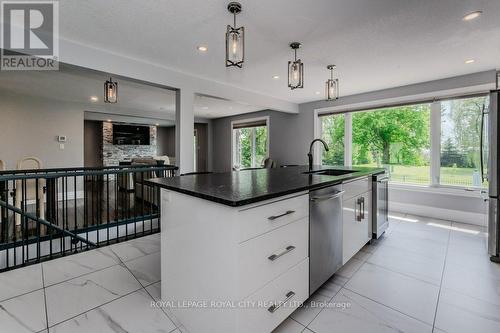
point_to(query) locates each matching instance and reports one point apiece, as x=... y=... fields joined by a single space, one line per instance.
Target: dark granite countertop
x=249 y=186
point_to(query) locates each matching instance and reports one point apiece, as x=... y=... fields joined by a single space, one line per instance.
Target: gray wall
x=281 y=127
x=166 y=141
x=202 y=146
x=92 y=146
x=29 y=126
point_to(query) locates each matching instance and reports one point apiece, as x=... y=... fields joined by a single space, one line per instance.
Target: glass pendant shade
x=110 y=91
x=235 y=39
x=332 y=89
x=235 y=46
x=295 y=70
x=295 y=74
x=331 y=86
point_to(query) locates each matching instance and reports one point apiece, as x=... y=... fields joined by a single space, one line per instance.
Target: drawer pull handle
x=275 y=307
x=288 y=212
x=276 y=256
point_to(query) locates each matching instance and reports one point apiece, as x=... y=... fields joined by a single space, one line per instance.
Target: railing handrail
x=54 y=170
x=42 y=173
x=45 y=222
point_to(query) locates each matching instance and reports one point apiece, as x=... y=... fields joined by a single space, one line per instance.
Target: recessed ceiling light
x=470 y=61
x=202 y=48
x=317 y=93
x=472 y=15
x=276 y=77
x=204 y=107
x=94 y=98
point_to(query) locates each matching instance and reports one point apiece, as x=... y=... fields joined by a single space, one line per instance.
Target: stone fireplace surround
x=112 y=155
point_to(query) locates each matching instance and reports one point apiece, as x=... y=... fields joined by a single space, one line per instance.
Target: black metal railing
x=54 y=212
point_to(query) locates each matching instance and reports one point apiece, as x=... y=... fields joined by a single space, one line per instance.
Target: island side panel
x=199 y=261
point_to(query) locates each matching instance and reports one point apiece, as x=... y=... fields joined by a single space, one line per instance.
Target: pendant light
x=295 y=69
x=235 y=39
x=110 y=91
x=332 y=85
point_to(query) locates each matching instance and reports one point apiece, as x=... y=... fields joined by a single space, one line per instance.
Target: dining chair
x=31 y=190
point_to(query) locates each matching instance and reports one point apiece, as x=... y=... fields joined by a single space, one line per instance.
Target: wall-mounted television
x=130 y=135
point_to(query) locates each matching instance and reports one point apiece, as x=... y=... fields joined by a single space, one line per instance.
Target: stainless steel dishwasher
x=325 y=235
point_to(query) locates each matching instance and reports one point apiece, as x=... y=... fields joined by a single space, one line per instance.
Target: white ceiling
x=78 y=85
x=375 y=44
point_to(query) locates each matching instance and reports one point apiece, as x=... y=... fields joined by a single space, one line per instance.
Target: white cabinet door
x=355 y=225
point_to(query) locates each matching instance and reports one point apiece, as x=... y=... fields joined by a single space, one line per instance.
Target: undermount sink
x=330 y=172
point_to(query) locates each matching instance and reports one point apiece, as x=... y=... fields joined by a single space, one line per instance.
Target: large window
x=332 y=129
x=397 y=139
x=434 y=144
x=460 y=141
x=250 y=143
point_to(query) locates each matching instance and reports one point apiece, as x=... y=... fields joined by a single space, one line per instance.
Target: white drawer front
x=264 y=258
x=356 y=187
x=256 y=221
x=293 y=285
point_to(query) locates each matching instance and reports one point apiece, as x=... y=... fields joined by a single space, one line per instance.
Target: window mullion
x=348 y=139
x=254 y=162
x=435 y=132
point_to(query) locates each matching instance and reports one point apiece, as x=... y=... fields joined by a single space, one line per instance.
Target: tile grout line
x=342 y=286
x=45 y=300
x=405 y=274
x=23 y=294
x=175 y=326
x=389 y=307
x=441 y=284
x=97 y=270
x=95 y=307
x=121 y=263
x=144 y=287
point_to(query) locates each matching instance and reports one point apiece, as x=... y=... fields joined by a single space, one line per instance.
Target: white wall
x=29 y=126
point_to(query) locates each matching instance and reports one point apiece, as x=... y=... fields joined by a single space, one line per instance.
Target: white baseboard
x=439 y=213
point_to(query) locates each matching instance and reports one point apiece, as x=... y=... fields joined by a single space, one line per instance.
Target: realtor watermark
x=29 y=35
x=212 y=304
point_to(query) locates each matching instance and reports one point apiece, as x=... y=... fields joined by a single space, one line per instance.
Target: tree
x=333 y=128
x=245 y=142
x=450 y=156
x=465 y=115
x=392 y=135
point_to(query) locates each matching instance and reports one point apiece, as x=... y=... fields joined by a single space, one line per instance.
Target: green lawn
x=421 y=175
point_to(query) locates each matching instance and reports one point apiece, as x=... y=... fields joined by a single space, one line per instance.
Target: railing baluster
x=75 y=223
x=107 y=209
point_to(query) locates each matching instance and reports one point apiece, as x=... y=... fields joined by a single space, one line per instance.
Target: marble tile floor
x=423 y=275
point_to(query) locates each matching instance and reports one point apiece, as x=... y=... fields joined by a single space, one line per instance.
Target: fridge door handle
x=481 y=145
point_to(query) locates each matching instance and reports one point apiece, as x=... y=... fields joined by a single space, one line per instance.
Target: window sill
x=439 y=189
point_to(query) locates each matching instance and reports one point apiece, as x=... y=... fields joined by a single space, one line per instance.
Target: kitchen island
x=235 y=247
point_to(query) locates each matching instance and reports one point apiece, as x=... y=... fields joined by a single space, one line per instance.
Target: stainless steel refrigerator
x=490 y=153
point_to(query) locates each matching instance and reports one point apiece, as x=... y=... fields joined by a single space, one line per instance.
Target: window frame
x=267 y=119
x=434 y=132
